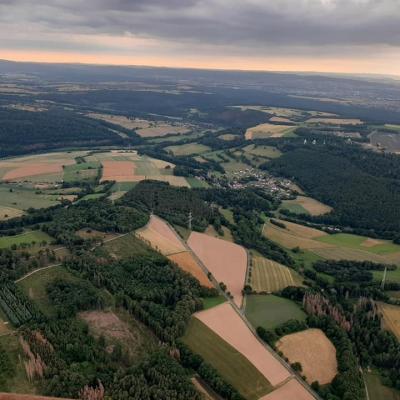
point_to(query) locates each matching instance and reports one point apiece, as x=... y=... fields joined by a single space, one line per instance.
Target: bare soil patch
x=107 y=324
x=34 y=169
x=226 y=261
x=227 y=324
x=161 y=237
x=119 y=171
x=188 y=263
x=313 y=350
x=17 y=396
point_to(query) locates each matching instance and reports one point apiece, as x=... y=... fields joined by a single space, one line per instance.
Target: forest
x=361 y=186
x=27 y=132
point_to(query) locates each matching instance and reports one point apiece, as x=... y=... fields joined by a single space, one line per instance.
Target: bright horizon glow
x=287 y=64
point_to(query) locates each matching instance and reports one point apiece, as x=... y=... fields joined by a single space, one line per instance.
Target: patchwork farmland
x=334 y=246
x=226 y=261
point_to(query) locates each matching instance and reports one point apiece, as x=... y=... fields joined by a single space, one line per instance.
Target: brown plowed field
x=15 y=396
x=161 y=237
x=312 y=349
x=119 y=171
x=33 y=169
x=292 y=390
x=187 y=262
x=227 y=324
x=226 y=261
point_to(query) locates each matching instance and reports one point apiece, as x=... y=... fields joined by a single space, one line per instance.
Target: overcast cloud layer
x=258 y=29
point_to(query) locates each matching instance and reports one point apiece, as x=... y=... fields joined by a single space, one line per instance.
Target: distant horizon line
x=303 y=72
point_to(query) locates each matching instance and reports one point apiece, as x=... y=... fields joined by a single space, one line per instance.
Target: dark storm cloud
x=257 y=24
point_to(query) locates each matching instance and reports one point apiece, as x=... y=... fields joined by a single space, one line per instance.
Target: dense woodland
x=173 y=204
x=24 y=131
x=361 y=186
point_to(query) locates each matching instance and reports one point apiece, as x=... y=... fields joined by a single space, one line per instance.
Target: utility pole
x=384 y=279
x=190 y=220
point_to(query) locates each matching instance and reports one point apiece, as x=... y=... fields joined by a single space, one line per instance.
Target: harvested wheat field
x=335 y=121
x=270 y=276
x=312 y=349
x=295 y=236
x=158 y=234
x=292 y=390
x=267 y=130
x=391 y=318
x=226 y=261
x=34 y=169
x=9 y=212
x=227 y=324
x=188 y=263
x=119 y=171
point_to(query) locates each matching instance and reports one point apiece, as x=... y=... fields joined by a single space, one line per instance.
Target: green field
x=262 y=151
x=391 y=276
x=231 y=364
x=356 y=242
x=92 y=196
x=228 y=214
x=270 y=311
x=187 y=149
x=127 y=246
x=376 y=390
x=294 y=208
x=28 y=238
x=145 y=167
x=123 y=186
x=81 y=172
x=196 y=183
x=210 y=302
x=23 y=198
x=34 y=286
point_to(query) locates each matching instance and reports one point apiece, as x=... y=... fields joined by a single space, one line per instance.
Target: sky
x=352 y=36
